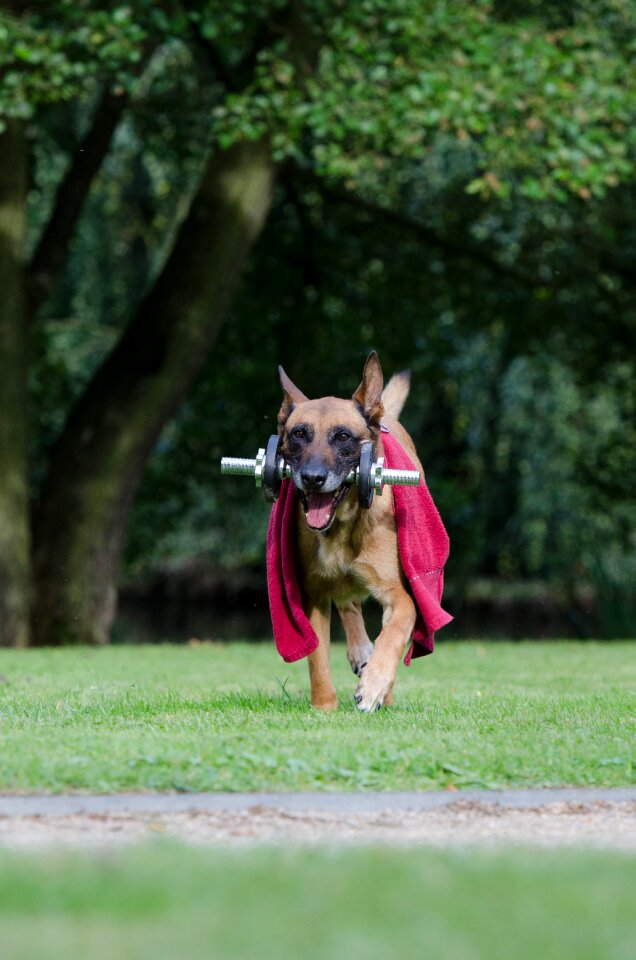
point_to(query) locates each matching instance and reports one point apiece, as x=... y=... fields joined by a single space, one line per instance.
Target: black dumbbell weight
x=272 y=472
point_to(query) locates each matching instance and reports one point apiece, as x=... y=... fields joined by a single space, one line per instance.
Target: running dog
x=347 y=552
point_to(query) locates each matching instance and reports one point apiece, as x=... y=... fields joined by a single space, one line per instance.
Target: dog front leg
x=359 y=647
x=374 y=689
x=323 y=692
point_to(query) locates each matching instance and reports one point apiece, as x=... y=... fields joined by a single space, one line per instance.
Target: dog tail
x=395 y=393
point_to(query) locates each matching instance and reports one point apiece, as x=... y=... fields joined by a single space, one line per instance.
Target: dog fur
x=353 y=554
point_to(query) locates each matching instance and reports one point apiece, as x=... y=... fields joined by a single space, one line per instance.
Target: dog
x=346 y=552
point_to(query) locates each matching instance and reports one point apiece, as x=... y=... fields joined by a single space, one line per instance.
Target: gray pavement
x=587 y=817
x=341 y=803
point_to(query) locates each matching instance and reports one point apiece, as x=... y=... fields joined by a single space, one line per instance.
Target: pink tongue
x=318 y=509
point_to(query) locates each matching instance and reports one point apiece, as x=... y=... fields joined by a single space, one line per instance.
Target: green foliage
x=51 y=53
x=57 y=54
x=576 y=513
x=546 y=109
x=509 y=449
x=543 y=111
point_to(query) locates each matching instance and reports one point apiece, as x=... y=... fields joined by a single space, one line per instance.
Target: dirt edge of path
x=605 y=824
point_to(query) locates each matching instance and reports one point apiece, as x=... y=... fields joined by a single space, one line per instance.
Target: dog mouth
x=320 y=508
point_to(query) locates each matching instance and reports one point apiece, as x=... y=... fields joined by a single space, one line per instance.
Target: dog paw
x=326 y=704
x=358 y=656
x=372 y=693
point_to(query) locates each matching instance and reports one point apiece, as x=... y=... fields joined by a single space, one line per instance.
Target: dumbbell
x=269 y=469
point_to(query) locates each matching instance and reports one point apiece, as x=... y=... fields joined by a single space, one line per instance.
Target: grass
x=167 y=901
x=231 y=718
x=236 y=717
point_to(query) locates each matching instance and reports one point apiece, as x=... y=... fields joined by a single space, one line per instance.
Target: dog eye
x=298 y=433
x=343 y=436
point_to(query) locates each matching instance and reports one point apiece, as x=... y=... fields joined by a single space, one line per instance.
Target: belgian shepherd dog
x=348 y=552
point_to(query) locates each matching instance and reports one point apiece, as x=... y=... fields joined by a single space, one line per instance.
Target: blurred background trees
x=216 y=188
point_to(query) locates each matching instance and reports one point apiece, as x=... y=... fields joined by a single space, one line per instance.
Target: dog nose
x=313 y=479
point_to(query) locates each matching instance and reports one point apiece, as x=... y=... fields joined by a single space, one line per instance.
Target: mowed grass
x=168 y=901
x=213 y=717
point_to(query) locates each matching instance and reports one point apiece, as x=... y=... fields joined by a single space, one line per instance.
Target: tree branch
x=237 y=78
x=50 y=254
x=429 y=234
x=308 y=266
x=304 y=47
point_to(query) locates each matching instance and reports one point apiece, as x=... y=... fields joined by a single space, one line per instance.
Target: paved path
x=549 y=817
x=13 y=805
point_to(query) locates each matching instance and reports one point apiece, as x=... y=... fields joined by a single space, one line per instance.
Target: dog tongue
x=318 y=509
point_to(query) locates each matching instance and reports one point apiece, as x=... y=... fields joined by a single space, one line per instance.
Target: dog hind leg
x=359 y=647
x=323 y=692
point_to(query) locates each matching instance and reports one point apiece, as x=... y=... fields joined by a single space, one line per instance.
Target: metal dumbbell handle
x=399 y=478
x=253 y=467
x=238 y=466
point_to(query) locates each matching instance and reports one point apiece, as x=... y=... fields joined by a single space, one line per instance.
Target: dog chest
x=335 y=563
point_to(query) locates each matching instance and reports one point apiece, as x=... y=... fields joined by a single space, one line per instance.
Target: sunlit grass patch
x=236 y=717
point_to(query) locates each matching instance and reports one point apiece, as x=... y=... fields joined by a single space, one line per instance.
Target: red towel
x=423 y=547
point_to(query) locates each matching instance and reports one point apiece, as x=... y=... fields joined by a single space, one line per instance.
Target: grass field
x=237 y=718
x=166 y=902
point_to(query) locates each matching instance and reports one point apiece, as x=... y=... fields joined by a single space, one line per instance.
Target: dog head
x=321 y=441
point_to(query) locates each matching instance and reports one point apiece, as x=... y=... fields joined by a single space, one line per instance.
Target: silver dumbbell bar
x=380 y=475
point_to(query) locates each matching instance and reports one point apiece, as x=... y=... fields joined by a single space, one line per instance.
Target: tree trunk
x=97 y=464
x=14 y=497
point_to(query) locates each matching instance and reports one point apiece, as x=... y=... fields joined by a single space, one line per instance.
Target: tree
x=14 y=501
x=357 y=98
x=98 y=461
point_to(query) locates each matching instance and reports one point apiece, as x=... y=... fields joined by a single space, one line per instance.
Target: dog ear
x=291 y=396
x=369 y=394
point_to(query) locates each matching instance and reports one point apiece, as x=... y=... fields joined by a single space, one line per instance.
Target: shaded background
x=451 y=188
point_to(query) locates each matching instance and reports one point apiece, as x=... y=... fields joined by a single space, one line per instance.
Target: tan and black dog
x=347 y=552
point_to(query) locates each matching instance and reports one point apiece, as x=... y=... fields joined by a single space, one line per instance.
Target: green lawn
x=361 y=904
x=237 y=718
